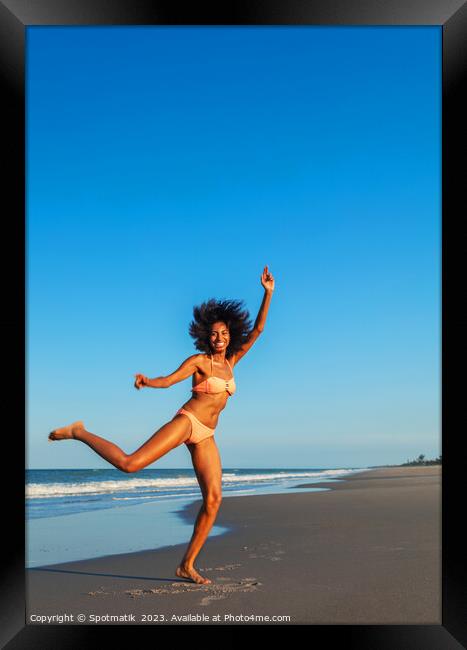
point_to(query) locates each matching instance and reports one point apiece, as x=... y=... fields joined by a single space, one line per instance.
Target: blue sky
x=168 y=165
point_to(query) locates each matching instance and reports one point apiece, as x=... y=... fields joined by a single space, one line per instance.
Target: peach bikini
x=200 y=431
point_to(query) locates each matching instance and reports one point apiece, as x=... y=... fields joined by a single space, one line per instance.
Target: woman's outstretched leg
x=207 y=466
x=168 y=437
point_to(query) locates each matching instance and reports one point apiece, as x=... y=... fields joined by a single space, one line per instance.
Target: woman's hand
x=141 y=381
x=267 y=280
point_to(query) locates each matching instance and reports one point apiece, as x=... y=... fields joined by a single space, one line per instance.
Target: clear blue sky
x=168 y=165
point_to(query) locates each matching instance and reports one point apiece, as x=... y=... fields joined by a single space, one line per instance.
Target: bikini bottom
x=199 y=431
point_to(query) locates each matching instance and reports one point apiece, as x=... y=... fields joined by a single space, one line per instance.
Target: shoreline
x=155 y=523
x=366 y=550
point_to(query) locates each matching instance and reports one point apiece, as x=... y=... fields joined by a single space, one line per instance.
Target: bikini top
x=216 y=384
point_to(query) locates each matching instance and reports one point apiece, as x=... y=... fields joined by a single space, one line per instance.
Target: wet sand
x=368 y=551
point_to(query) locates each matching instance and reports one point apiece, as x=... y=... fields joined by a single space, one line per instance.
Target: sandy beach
x=367 y=551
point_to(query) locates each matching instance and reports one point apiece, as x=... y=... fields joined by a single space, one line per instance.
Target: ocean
x=74 y=514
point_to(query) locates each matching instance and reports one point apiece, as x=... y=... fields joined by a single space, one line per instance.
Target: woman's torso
x=207 y=406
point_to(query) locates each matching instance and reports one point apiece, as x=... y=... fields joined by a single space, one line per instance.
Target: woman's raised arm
x=267 y=282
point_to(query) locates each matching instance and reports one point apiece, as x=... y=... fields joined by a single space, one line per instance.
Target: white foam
x=158 y=496
x=55 y=490
x=285 y=475
x=45 y=490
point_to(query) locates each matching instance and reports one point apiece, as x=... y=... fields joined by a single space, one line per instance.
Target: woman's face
x=219 y=337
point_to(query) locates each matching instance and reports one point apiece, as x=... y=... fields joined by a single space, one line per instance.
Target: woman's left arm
x=268 y=283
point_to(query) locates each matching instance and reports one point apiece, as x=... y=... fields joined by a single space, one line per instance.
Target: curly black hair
x=230 y=312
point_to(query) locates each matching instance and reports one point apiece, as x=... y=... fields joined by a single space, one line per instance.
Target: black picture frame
x=451 y=16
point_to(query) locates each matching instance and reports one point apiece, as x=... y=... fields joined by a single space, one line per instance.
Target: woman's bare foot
x=191 y=574
x=66 y=432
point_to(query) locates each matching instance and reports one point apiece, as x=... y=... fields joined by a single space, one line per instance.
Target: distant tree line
x=417 y=461
x=421 y=461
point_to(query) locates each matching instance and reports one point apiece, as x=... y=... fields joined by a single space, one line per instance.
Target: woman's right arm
x=187 y=368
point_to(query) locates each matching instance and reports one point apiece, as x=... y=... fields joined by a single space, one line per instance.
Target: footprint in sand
x=99 y=592
x=173 y=588
x=177 y=588
x=213 y=591
x=223 y=591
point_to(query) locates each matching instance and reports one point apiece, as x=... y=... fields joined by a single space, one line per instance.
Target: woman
x=222 y=331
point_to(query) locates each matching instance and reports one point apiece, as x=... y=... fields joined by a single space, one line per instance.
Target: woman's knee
x=213 y=501
x=129 y=465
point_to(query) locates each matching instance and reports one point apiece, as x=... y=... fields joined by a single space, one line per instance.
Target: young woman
x=222 y=332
